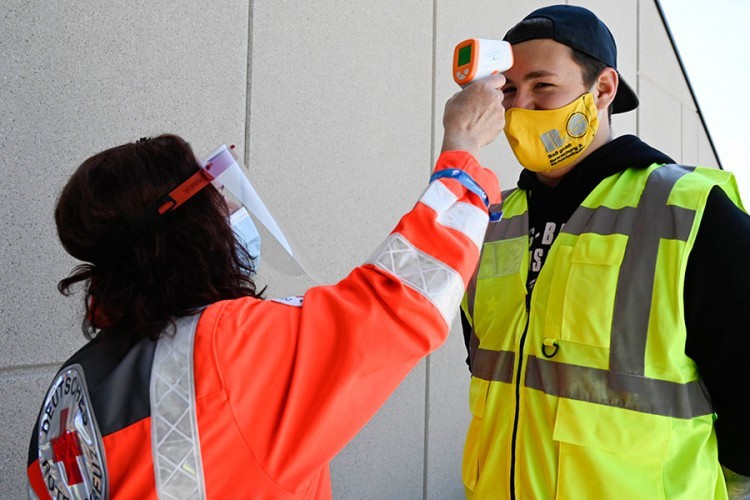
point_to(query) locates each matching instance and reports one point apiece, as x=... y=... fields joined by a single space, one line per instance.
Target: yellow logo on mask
x=541 y=142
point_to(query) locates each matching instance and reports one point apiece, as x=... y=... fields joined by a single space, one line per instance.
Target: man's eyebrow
x=537 y=74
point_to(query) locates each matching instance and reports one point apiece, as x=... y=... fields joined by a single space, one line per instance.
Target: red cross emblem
x=66 y=448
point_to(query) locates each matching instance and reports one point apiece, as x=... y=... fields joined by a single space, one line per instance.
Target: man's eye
x=508 y=90
x=543 y=85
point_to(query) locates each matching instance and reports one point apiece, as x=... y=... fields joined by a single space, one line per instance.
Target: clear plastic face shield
x=279 y=249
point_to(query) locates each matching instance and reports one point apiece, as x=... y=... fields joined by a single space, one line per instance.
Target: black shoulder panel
x=118 y=385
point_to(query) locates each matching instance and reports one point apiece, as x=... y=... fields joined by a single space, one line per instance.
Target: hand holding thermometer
x=478 y=58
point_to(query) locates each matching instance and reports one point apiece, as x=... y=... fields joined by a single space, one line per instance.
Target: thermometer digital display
x=478 y=58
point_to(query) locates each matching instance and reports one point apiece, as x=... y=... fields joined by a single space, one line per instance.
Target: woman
x=191 y=385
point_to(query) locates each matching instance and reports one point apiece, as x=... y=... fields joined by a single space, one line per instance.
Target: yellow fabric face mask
x=547 y=140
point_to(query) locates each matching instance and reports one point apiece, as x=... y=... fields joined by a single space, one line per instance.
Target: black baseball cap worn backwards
x=581 y=30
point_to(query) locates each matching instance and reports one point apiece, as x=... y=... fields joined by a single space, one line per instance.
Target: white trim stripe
x=438 y=197
x=436 y=281
x=175 y=444
x=468 y=219
x=461 y=216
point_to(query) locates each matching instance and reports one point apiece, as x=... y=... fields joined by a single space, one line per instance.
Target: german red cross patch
x=71 y=454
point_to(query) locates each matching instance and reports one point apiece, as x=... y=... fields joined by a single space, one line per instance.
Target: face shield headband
x=223 y=170
x=214 y=167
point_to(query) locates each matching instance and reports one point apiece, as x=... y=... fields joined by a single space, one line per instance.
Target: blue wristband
x=496 y=216
x=465 y=179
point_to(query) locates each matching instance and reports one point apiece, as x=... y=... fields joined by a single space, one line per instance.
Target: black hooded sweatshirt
x=716 y=296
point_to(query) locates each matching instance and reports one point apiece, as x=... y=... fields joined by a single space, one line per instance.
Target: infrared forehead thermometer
x=478 y=58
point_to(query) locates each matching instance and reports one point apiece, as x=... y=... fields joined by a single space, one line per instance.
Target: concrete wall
x=337 y=107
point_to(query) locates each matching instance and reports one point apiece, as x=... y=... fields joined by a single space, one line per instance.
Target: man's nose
x=521 y=100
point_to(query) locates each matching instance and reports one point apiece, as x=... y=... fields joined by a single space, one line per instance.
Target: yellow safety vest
x=583 y=390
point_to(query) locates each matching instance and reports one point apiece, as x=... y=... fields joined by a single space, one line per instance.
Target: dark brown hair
x=140 y=272
x=590 y=70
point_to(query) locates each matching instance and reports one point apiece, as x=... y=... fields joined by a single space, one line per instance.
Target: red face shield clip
x=184 y=191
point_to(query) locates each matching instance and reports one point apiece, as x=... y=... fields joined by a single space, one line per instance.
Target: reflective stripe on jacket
x=583 y=390
x=253 y=398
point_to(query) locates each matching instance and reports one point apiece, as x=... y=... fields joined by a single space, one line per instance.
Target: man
x=606 y=323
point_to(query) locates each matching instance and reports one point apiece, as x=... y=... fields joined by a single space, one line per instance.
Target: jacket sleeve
x=306 y=379
x=738 y=486
x=717 y=306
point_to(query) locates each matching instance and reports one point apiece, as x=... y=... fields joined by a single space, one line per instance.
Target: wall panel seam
x=248 y=80
x=29 y=370
x=433 y=134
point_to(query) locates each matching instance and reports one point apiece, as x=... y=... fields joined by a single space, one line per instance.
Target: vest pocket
x=503 y=258
x=589 y=292
x=500 y=293
x=608 y=452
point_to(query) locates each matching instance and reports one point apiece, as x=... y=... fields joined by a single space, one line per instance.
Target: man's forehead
x=541 y=58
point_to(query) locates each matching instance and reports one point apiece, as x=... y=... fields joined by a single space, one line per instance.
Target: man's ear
x=606 y=87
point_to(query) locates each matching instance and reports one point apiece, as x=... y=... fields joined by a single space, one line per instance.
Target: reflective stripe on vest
x=624 y=385
x=645 y=225
x=487 y=364
x=587 y=376
x=175 y=444
x=492 y=236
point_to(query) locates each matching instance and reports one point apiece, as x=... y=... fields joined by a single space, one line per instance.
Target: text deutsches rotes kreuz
x=71 y=453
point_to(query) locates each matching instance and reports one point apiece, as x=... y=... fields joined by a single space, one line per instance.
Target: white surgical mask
x=247 y=234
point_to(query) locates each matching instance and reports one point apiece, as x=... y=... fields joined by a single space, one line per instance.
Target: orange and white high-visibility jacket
x=252 y=398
